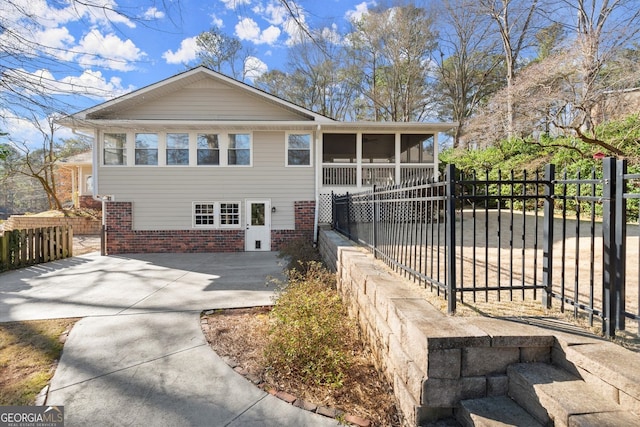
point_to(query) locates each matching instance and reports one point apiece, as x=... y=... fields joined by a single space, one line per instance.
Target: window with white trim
x=239 y=150
x=146 y=149
x=178 y=149
x=204 y=214
x=208 y=149
x=216 y=214
x=299 y=149
x=229 y=214
x=115 y=149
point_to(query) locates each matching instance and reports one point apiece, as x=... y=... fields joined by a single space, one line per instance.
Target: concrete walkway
x=138 y=356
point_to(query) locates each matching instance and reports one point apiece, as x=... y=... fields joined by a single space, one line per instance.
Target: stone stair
x=541 y=394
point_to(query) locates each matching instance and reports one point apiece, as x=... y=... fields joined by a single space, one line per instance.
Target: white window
x=216 y=214
x=146 y=149
x=115 y=149
x=204 y=214
x=229 y=214
x=208 y=149
x=299 y=149
x=239 y=150
x=178 y=149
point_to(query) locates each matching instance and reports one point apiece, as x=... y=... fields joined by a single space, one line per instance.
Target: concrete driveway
x=138 y=356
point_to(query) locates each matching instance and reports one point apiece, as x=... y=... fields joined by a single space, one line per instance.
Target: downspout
x=316 y=214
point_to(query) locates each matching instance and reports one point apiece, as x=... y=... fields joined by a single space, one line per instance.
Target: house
x=80 y=172
x=200 y=162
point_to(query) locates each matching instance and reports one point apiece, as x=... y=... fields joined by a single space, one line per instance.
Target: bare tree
x=390 y=51
x=602 y=28
x=471 y=70
x=37 y=164
x=514 y=21
x=547 y=98
x=224 y=53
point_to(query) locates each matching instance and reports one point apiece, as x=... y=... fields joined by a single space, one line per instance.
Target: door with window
x=258 y=228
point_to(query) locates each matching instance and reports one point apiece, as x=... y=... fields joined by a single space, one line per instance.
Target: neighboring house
x=79 y=167
x=201 y=162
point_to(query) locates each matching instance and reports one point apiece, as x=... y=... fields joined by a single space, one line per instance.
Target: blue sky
x=113 y=55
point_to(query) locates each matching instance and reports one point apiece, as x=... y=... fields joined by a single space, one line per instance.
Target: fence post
x=621 y=240
x=609 y=243
x=547 y=235
x=333 y=210
x=374 y=238
x=4 y=251
x=450 y=237
x=348 y=210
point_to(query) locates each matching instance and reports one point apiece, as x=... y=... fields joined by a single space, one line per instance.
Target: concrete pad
x=92 y=285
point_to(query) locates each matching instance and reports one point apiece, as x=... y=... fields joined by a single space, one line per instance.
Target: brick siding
x=122 y=239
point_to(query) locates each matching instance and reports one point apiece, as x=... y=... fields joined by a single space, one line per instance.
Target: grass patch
x=29 y=352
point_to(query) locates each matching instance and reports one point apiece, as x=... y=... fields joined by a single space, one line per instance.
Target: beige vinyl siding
x=162 y=196
x=206 y=100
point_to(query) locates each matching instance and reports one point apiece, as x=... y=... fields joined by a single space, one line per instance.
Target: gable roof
x=109 y=110
x=80 y=159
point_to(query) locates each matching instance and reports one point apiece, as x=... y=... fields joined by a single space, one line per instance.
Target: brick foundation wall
x=122 y=239
x=81 y=226
x=304 y=219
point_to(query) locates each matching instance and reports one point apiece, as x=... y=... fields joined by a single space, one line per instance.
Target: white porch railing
x=346 y=175
x=339 y=175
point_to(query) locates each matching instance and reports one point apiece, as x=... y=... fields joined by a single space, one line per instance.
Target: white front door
x=258 y=230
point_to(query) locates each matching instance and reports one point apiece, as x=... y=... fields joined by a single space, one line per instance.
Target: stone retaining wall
x=432 y=360
x=81 y=226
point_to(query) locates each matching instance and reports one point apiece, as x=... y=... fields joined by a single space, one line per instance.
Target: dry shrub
x=310 y=329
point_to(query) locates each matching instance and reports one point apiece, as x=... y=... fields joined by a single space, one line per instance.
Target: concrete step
x=555 y=397
x=497 y=411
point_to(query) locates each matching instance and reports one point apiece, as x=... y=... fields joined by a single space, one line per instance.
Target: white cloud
x=248 y=29
x=90 y=83
x=185 y=54
x=108 y=51
x=254 y=68
x=331 y=34
x=233 y=4
x=278 y=14
x=23 y=131
x=153 y=13
x=217 y=21
x=361 y=9
x=41 y=29
x=94 y=84
x=294 y=30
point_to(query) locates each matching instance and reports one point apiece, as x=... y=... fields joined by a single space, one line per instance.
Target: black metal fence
x=545 y=236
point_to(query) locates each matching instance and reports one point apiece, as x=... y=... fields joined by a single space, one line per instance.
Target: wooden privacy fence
x=22 y=248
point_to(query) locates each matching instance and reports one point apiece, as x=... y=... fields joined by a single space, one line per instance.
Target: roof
x=102 y=115
x=77 y=160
